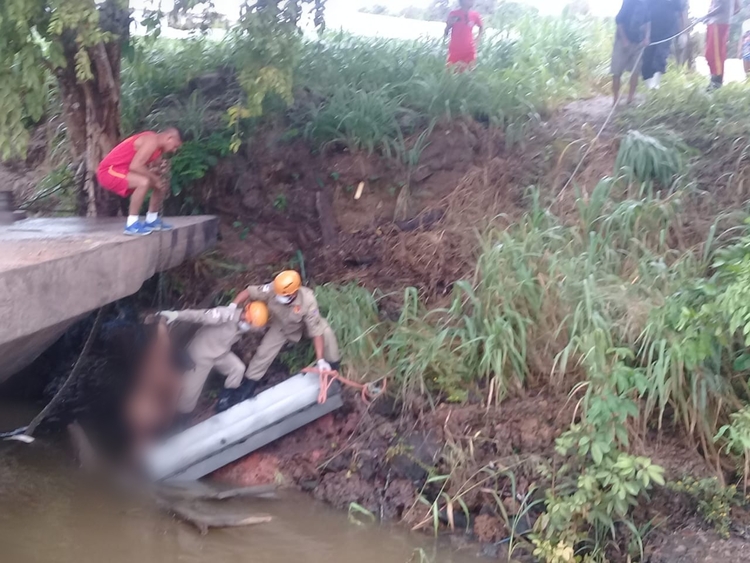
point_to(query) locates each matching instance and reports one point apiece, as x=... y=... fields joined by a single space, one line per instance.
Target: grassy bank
x=634 y=303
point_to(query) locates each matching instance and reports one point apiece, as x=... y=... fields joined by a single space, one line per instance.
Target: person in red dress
x=462 y=49
x=124 y=171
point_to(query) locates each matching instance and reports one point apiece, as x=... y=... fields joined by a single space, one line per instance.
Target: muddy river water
x=51 y=513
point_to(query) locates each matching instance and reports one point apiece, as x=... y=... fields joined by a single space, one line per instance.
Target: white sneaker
x=654 y=82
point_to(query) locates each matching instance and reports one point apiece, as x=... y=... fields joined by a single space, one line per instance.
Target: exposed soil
x=282 y=202
x=380 y=459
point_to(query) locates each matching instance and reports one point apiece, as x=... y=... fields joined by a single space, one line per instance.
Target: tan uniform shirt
x=220 y=331
x=300 y=317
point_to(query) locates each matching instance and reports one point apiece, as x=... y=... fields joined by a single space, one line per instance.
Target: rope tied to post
x=368 y=391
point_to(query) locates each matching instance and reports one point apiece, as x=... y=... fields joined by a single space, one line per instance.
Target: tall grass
x=716 y=124
x=356 y=90
x=553 y=302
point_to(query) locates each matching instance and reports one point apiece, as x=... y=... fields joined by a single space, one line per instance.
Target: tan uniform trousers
x=272 y=344
x=228 y=364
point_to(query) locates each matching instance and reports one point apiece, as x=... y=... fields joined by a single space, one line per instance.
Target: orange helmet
x=287 y=283
x=256 y=313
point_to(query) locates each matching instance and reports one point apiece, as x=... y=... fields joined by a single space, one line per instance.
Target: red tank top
x=123 y=154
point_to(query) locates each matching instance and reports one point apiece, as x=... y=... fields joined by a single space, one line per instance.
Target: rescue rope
x=614 y=106
x=368 y=391
x=29 y=430
x=71 y=378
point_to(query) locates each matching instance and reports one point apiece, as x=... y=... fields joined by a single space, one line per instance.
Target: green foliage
x=646 y=158
x=717 y=125
x=713 y=501
x=364 y=100
x=357 y=119
x=352 y=311
x=195 y=159
x=154 y=78
x=38 y=37
x=600 y=483
x=736 y=439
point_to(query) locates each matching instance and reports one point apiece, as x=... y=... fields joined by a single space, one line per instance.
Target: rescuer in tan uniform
x=294 y=313
x=211 y=347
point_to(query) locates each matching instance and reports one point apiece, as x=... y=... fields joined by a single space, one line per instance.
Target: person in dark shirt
x=633 y=34
x=668 y=17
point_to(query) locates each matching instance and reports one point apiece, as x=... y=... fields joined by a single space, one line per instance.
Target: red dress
x=113 y=169
x=462 y=48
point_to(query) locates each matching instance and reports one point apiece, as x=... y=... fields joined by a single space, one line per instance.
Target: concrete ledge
x=242 y=429
x=53 y=271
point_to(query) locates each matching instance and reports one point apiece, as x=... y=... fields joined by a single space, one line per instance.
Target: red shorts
x=114 y=180
x=466 y=58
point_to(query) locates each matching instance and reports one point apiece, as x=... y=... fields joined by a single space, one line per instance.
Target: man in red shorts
x=719 y=19
x=124 y=171
x=462 y=49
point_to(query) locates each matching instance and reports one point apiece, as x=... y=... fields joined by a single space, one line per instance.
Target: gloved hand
x=323 y=366
x=232 y=306
x=170 y=316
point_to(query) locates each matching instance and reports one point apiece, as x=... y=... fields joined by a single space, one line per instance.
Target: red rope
x=368 y=390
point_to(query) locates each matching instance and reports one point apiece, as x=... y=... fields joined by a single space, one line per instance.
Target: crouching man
x=211 y=347
x=294 y=313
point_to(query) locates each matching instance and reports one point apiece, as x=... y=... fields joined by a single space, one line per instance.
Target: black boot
x=247 y=389
x=230 y=397
x=227 y=399
x=716 y=82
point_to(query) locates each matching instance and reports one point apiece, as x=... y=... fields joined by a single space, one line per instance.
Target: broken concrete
x=55 y=271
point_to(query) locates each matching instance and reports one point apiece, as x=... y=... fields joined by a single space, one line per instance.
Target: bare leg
x=633 y=85
x=616 y=82
x=157 y=197
x=141 y=185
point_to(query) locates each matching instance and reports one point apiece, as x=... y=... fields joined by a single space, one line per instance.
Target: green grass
x=554 y=301
x=716 y=125
x=364 y=93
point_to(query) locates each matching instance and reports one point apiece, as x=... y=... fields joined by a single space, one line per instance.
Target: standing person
x=462 y=49
x=211 y=348
x=668 y=18
x=124 y=171
x=744 y=46
x=717 y=35
x=632 y=36
x=294 y=313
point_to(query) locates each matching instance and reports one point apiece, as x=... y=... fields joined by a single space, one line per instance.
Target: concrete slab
x=54 y=271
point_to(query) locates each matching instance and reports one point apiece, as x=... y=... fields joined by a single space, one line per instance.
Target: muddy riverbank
x=51 y=512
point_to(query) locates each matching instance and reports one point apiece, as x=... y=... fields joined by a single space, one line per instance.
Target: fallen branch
x=207 y=493
x=204 y=521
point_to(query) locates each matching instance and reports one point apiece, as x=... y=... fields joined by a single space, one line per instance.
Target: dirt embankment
x=380 y=458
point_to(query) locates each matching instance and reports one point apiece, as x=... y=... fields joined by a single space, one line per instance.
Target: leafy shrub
x=195 y=158
x=646 y=158
x=713 y=501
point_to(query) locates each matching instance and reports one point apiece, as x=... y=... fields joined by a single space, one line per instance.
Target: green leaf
x=596 y=453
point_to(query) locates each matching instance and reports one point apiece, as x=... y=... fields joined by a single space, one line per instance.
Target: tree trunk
x=92 y=108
